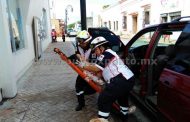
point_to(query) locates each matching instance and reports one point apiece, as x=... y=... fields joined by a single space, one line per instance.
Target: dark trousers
x=83 y=88
x=118 y=89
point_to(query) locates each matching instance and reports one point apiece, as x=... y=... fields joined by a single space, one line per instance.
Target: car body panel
x=174 y=95
x=71 y=33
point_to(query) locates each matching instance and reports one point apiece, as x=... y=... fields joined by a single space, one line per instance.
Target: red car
x=159 y=56
x=162 y=69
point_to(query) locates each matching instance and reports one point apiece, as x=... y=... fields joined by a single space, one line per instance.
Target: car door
x=138 y=52
x=137 y=56
x=174 y=82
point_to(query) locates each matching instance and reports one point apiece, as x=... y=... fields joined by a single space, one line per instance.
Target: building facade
x=129 y=16
x=111 y=18
x=25 y=33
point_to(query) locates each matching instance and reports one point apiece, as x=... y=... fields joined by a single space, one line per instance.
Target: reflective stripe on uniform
x=79 y=93
x=124 y=110
x=103 y=114
x=85 y=54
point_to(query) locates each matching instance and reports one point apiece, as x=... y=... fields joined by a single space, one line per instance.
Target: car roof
x=177 y=21
x=175 y=24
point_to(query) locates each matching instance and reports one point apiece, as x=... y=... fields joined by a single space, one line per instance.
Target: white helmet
x=83 y=36
x=97 y=42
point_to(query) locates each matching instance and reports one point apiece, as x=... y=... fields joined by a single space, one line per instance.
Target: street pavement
x=46 y=93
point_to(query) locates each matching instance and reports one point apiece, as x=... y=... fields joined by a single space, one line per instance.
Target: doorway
x=36 y=37
x=134 y=23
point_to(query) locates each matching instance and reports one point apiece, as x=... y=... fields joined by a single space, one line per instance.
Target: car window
x=143 y=40
x=165 y=43
x=169 y=38
x=181 y=61
x=184 y=37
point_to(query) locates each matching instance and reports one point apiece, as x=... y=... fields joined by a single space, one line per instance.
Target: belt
x=119 y=75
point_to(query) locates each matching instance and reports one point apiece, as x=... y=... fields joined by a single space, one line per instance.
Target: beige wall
x=56 y=25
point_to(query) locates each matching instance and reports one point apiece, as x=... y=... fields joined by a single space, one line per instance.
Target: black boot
x=79 y=107
x=81 y=102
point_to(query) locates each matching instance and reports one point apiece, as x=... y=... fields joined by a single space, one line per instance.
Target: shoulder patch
x=100 y=58
x=94 y=55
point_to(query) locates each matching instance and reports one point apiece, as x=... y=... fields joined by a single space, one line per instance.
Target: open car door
x=174 y=85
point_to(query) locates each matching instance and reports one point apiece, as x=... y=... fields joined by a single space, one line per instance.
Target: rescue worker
x=54 y=35
x=119 y=79
x=83 y=53
x=63 y=35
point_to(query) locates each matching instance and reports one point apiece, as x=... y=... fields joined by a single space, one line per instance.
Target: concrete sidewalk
x=46 y=93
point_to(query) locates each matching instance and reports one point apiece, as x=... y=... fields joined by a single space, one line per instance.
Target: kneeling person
x=119 y=79
x=83 y=53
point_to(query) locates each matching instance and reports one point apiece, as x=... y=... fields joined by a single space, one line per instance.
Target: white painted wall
x=136 y=6
x=35 y=9
x=155 y=12
x=131 y=7
x=24 y=58
x=14 y=64
x=186 y=8
x=7 y=82
x=112 y=14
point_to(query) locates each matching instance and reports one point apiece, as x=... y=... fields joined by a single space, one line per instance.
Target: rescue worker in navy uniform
x=83 y=53
x=119 y=79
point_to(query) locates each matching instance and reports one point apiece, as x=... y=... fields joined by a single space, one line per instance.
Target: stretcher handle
x=57 y=50
x=62 y=55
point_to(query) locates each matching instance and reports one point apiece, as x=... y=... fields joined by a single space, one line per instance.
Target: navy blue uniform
x=120 y=82
x=81 y=86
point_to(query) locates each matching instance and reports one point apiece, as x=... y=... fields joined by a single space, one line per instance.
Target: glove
x=80 y=57
x=73 y=57
x=81 y=64
x=94 y=78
